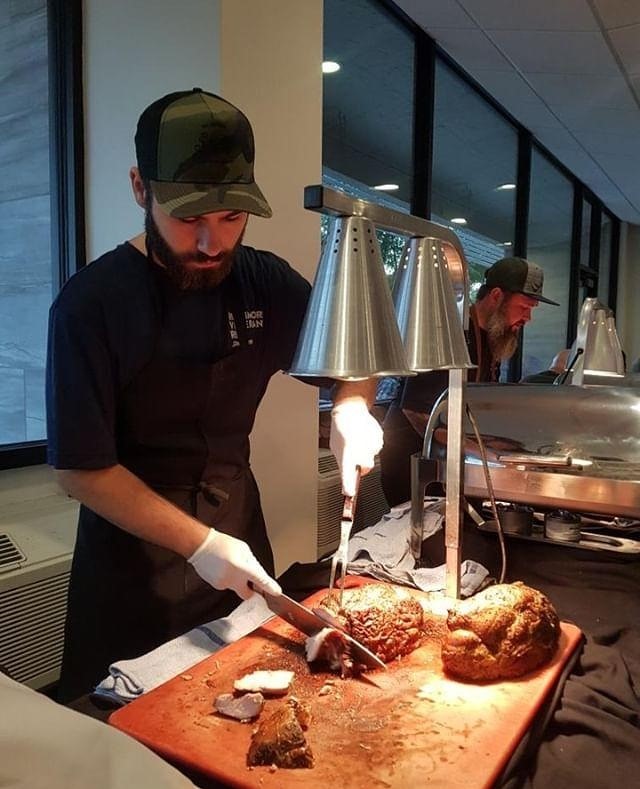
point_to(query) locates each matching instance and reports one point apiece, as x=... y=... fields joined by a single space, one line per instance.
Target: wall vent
x=32 y=630
x=10 y=555
x=370 y=507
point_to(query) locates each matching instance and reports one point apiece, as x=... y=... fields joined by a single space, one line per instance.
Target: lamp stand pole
x=454 y=482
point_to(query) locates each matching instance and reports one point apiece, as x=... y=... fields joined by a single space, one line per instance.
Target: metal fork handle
x=346 y=525
x=334 y=566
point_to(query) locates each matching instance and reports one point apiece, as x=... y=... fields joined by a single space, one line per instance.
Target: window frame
x=580 y=192
x=66 y=170
x=427 y=52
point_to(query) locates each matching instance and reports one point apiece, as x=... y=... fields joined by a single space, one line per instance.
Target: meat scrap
x=242 y=708
x=279 y=739
x=504 y=631
x=332 y=647
x=385 y=619
x=275 y=683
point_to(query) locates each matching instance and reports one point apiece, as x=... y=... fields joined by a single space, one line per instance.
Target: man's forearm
x=356 y=390
x=123 y=499
x=417 y=419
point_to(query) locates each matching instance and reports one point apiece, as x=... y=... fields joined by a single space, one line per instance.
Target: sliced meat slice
x=242 y=708
x=280 y=740
x=330 y=646
x=275 y=683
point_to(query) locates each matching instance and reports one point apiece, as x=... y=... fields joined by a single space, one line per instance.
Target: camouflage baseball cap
x=517 y=275
x=197 y=151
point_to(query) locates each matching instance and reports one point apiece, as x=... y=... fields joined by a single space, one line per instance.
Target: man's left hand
x=356 y=438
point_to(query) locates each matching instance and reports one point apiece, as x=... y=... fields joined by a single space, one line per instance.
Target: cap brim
x=538 y=297
x=181 y=200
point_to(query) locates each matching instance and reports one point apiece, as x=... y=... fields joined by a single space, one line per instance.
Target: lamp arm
x=438 y=408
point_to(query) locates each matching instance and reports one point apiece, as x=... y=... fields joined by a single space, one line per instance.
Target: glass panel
x=475 y=153
x=585 y=233
x=604 y=266
x=367 y=128
x=549 y=245
x=25 y=287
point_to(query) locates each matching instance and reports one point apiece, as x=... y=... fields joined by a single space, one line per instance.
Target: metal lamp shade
x=428 y=316
x=350 y=330
x=597 y=336
x=616 y=347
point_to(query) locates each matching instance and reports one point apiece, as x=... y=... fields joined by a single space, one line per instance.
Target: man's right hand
x=228 y=563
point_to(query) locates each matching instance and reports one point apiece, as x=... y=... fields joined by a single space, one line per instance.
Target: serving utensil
x=342 y=553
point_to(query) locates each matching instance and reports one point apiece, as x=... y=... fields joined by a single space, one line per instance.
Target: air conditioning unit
x=36 y=545
x=370 y=506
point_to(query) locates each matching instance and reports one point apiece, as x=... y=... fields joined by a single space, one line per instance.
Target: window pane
x=367 y=129
x=475 y=152
x=604 y=266
x=549 y=245
x=585 y=233
x=25 y=286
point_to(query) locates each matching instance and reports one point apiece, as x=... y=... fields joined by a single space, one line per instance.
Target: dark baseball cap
x=197 y=151
x=517 y=275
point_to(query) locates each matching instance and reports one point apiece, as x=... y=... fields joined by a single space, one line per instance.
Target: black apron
x=183 y=428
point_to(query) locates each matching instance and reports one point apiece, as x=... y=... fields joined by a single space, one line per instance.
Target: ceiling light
x=505 y=187
x=506 y=244
x=458 y=220
x=386 y=187
x=330 y=67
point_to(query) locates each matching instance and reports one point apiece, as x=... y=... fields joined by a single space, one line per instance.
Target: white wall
x=134 y=53
x=627 y=313
x=265 y=56
x=271 y=67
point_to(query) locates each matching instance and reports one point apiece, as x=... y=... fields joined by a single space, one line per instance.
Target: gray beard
x=503 y=342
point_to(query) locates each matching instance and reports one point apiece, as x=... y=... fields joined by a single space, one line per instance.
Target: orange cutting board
x=407 y=726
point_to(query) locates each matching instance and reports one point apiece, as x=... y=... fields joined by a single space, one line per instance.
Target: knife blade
x=310 y=623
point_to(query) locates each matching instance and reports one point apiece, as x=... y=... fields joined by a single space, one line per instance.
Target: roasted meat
x=242 y=708
x=502 y=632
x=269 y=682
x=332 y=647
x=387 y=620
x=280 y=740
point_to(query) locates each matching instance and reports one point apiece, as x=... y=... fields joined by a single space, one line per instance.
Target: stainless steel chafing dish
x=570 y=447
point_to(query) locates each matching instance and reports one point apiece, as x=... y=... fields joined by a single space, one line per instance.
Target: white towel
x=129 y=679
x=383 y=552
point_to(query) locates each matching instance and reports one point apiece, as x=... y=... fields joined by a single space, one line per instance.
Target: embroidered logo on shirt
x=233 y=332
x=254 y=319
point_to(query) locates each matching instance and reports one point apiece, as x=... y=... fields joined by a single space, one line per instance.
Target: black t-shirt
x=106 y=320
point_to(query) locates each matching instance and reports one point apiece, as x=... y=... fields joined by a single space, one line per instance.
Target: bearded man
x=159 y=354
x=512 y=288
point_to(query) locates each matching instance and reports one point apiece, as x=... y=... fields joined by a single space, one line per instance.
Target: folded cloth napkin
x=129 y=679
x=383 y=552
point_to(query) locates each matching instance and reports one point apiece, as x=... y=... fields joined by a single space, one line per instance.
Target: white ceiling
x=568 y=70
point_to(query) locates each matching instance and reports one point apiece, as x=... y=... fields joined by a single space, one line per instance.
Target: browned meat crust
x=386 y=620
x=502 y=632
x=280 y=740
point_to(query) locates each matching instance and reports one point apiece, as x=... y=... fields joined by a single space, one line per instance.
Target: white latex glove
x=228 y=563
x=355 y=440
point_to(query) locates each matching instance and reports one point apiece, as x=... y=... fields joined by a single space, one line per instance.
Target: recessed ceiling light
x=458 y=220
x=506 y=243
x=505 y=187
x=330 y=67
x=386 y=187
